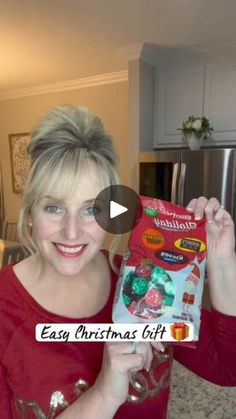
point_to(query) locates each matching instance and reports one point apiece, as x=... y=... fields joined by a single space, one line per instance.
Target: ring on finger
x=134 y=347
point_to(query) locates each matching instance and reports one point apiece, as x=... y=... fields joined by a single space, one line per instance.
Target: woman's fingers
x=136 y=357
x=197 y=206
x=201 y=206
x=213 y=209
x=219 y=226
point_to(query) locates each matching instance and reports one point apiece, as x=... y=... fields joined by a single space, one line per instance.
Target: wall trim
x=98 y=80
x=132 y=52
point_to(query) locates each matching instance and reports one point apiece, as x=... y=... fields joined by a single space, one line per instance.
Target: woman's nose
x=72 y=227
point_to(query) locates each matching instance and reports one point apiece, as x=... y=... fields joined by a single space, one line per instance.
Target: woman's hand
x=221 y=258
x=219 y=227
x=119 y=362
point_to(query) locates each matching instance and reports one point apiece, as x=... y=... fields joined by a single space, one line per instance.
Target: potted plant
x=195 y=130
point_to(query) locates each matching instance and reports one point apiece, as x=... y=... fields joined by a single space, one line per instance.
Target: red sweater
x=39 y=379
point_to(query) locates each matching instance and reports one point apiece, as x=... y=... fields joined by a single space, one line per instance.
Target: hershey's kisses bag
x=162 y=274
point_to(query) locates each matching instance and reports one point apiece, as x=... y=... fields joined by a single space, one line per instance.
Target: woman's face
x=66 y=233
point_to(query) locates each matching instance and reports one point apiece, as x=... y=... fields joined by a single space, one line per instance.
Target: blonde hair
x=61 y=146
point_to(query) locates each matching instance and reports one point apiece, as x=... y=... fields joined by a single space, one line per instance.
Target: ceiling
x=47 y=41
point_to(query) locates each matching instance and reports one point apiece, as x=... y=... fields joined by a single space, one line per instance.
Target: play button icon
x=118 y=209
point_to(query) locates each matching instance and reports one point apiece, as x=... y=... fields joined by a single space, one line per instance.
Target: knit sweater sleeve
x=214 y=358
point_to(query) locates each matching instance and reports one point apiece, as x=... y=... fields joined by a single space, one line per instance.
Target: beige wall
x=109 y=102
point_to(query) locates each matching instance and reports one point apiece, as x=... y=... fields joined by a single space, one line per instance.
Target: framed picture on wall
x=20 y=160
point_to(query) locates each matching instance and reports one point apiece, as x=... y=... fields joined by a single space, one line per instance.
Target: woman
x=67 y=279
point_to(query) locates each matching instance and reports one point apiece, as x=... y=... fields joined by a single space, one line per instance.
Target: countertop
x=195 y=398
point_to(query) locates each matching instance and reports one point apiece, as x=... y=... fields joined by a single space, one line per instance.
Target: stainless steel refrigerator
x=180 y=175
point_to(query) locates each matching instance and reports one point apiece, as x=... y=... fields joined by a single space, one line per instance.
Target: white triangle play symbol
x=116 y=209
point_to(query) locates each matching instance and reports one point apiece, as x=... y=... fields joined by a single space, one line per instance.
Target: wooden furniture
x=11 y=252
x=9 y=231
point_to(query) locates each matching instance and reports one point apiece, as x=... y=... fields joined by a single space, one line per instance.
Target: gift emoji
x=179 y=331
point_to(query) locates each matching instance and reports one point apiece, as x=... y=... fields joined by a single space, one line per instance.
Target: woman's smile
x=70 y=251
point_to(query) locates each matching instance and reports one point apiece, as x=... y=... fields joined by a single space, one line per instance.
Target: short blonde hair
x=61 y=146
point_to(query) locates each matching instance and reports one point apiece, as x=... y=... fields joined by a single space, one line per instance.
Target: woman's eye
x=53 y=209
x=89 y=213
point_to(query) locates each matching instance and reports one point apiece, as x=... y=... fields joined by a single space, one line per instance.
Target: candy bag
x=162 y=273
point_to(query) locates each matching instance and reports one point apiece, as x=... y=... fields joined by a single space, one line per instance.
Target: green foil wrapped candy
x=169 y=288
x=159 y=275
x=152 y=212
x=140 y=286
x=168 y=300
x=127 y=299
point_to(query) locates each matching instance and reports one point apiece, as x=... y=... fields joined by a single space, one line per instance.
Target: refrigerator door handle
x=181 y=184
x=174 y=183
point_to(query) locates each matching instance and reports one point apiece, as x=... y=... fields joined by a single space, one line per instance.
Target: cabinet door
x=179 y=93
x=220 y=101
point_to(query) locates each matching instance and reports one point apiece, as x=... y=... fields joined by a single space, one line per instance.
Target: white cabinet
x=220 y=101
x=207 y=88
x=179 y=93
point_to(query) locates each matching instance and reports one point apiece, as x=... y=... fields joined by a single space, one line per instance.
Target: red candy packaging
x=162 y=274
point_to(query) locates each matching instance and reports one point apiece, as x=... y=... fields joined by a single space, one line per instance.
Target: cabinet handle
x=174 y=183
x=181 y=184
